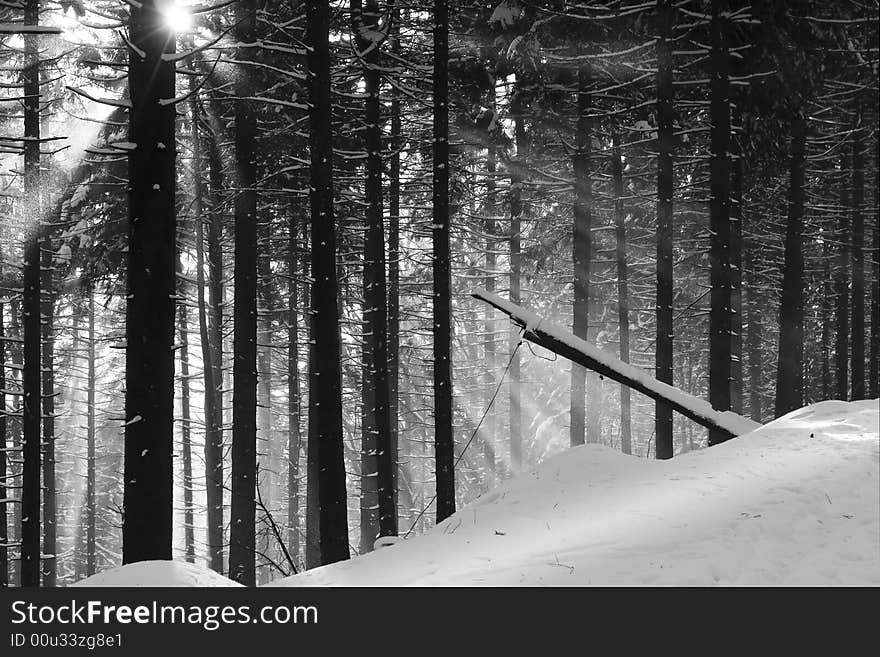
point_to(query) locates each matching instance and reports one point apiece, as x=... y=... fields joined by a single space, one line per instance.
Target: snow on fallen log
x=560 y=341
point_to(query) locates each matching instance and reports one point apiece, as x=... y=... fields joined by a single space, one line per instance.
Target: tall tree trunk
x=47 y=312
x=15 y=424
x=665 y=190
x=858 y=262
x=326 y=466
x=790 y=370
x=720 y=321
x=369 y=501
x=30 y=482
x=874 y=358
x=152 y=262
x=736 y=260
x=267 y=450
x=517 y=212
x=294 y=405
x=753 y=338
x=490 y=225
x=622 y=290
x=581 y=251
x=211 y=342
x=76 y=553
x=841 y=289
x=186 y=434
x=4 y=500
x=91 y=509
x=825 y=319
x=377 y=429
x=213 y=360
x=394 y=264
x=442 y=302
x=242 y=522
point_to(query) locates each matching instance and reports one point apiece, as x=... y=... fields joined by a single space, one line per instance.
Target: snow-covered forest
x=285 y=283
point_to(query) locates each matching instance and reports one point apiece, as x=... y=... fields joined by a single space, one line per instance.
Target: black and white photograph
x=442 y=293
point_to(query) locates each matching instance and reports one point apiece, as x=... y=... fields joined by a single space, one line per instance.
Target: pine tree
x=442 y=301
x=4 y=535
x=665 y=182
x=30 y=308
x=790 y=369
x=369 y=34
x=859 y=389
x=242 y=518
x=622 y=289
x=210 y=338
x=720 y=315
x=152 y=260
x=91 y=471
x=327 y=522
x=582 y=251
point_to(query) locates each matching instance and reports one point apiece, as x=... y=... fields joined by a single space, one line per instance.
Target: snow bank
x=793 y=503
x=157 y=573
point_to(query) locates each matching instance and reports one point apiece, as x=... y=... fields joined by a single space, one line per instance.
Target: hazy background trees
x=690 y=186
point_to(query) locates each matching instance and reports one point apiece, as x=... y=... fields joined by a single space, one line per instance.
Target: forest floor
x=796 y=502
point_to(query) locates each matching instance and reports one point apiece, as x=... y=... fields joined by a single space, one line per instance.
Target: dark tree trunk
x=267 y=447
x=665 y=182
x=4 y=535
x=517 y=212
x=15 y=427
x=736 y=260
x=825 y=319
x=47 y=312
x=369 y=500
x=186 y=435
x=30 y=307
x=377 y=416
x=790 y=369
x=326 y=476
x=858 y=264
x=442 y=304
x=490 y=210
x=720 y=324
x=242 y=521
x=214 y=465
x=149 y=322
x=581 y=251
x=754 y=336
x=211 y=341
x=394 y=264
x=622 y=291
x=91 y=510
x=294 y=405
x=874 y=358
x=841 y=290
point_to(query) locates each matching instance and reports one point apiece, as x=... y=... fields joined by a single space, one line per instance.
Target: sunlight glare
x=177 y=17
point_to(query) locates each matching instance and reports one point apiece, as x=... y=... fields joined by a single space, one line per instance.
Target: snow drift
x=157 y=573
x=795 y=502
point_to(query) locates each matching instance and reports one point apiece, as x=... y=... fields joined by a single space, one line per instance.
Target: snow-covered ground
x=157 y=573
x=796 y=502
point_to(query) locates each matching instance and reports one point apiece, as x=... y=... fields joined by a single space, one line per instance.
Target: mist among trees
x=239 y=242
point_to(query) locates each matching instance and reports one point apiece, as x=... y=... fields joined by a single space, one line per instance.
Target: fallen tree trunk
x=561 y=341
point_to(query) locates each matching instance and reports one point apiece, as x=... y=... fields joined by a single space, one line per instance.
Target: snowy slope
x=795 y=502
x=157 y=573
